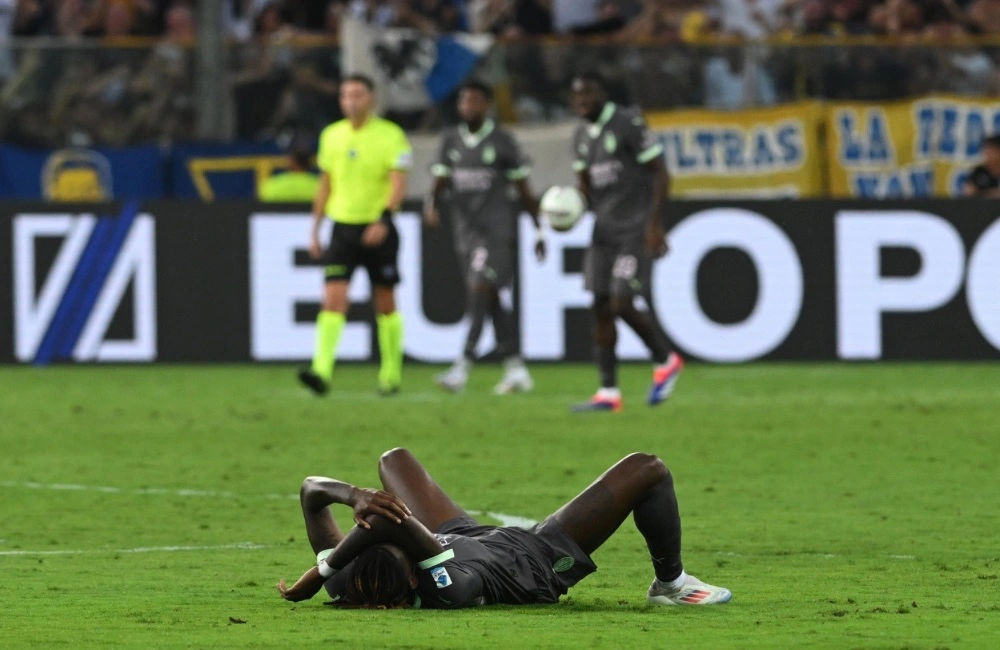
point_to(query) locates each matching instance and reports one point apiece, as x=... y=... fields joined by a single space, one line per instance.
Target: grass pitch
x=845 y=506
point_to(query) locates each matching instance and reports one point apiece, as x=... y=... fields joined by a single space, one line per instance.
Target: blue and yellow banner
x=80 y=174
x=920 y=148
x=761 y=153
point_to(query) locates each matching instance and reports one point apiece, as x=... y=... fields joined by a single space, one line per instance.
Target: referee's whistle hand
x=374 y=234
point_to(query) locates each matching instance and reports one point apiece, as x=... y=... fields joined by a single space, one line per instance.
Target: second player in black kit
x=478 y=166
x=620 y=169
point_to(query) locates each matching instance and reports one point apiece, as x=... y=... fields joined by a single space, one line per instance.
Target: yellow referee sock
x=390 y=345
x=329 y=325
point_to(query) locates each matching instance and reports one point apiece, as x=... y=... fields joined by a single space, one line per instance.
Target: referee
x=363 y=160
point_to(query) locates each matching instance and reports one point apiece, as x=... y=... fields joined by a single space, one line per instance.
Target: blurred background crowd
x=116 y=72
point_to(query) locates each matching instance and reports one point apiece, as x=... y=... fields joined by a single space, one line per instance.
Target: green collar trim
x=472 y=140
x=595 y=129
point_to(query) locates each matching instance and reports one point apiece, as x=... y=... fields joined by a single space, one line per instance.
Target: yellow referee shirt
x=359 y=162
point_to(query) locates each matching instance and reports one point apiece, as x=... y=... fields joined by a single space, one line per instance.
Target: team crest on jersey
x=489 y=154
x=441 y=577
x=610 y=142
x=454 y=155
x=563 y=564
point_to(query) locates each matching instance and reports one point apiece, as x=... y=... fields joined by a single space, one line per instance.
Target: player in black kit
x=414 y=547
x=619 y=165
x=478 y=165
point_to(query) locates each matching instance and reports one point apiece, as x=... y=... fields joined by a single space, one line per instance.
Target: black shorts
x=559 y=561
x=621 y=270
x=346 y=253
x=489 y=263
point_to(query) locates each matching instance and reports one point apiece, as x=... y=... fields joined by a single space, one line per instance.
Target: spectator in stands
x=984 y=180
x=751 y=19
x=442 y=13
x=8 y=15
x=513 y=18
x=609 y=18
x=985 y=15
x=297 y=185
x=732 y=82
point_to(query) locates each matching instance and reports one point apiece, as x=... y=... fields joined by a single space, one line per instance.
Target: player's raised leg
x=642 y=485
x=403 y=475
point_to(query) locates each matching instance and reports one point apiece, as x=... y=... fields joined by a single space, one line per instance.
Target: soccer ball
x=562 y=206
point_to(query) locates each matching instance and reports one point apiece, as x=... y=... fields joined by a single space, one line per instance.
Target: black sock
x=607 y=363
x=648 y=328
x=658 y=519
x=503 y=326
x=478 y=306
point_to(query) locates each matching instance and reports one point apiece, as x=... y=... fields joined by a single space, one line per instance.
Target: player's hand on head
x=377 y=502
x=374 y=234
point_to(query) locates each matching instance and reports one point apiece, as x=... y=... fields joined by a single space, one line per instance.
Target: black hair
x=591 y=76
x=379 y=579
x=302 y=156
x=362 y=79
x=477 y=86
x=992 y=141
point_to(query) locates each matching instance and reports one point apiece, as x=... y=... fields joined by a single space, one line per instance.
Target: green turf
x=845 y=506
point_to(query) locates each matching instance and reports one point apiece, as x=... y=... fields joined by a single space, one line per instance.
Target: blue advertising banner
x=79 y=174
x=223 y=171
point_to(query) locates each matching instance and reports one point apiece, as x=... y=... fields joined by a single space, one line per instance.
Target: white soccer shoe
x=516 y=379
x=693 y=592
x=455 y=378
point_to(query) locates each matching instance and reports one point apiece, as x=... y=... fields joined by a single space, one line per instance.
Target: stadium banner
x=176 y=281
x=912 y=149
x=412 y=69
x=765 y=153
x=223 y=171
x=80 y=174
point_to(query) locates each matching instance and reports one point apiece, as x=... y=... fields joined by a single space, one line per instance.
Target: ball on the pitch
x=562 y=206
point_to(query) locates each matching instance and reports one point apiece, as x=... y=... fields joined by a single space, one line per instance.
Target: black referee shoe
x=313 y=382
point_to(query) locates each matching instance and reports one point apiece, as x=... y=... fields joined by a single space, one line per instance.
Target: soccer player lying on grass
x=414 y=547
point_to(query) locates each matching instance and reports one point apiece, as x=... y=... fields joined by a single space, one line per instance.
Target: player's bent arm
x=397 y=183
x=661 y=187
x=583 y=183
x=318 y=492
x=441 y=185
x=410 y=535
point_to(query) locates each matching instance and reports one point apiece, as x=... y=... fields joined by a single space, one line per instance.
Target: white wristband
x=326 y=570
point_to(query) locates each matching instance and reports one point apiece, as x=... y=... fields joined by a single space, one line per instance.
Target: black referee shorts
x=346 y=253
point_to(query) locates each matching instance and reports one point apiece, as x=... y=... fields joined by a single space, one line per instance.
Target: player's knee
x=394 y=456
x=649 y=467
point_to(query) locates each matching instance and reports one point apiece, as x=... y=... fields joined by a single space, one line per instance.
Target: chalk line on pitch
x=503 y=518
x=243 y=546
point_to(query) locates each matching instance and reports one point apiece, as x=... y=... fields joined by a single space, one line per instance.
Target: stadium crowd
x=283 y=65
x=625 y=20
